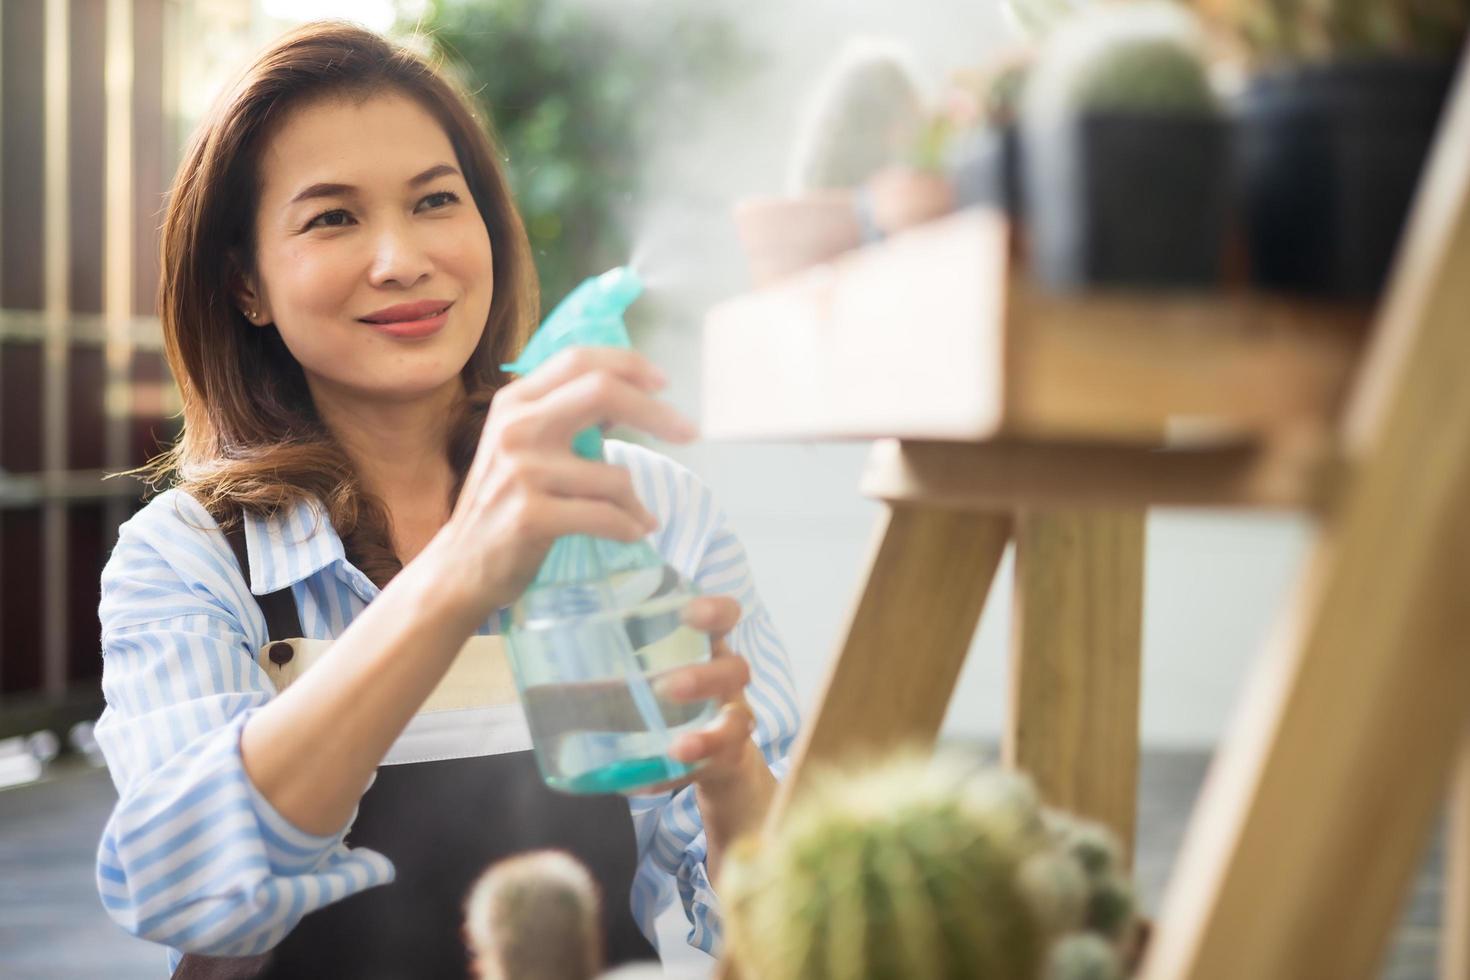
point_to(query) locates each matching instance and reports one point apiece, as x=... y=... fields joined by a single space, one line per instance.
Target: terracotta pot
x=900 y=197
x=782 y=235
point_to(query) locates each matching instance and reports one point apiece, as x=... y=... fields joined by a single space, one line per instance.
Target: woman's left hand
x=733 y=786
x=722 y=747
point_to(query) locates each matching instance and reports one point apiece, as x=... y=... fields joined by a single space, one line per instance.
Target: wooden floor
x=51 y=924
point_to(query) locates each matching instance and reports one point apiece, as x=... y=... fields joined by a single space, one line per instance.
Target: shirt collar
x=289 y=545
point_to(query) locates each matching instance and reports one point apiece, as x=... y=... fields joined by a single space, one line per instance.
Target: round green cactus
x=920 y=868
x=1145 y=76
x=1139 y=57
x=867 y=113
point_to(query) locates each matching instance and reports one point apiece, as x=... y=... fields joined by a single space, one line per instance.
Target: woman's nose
x=399 y=259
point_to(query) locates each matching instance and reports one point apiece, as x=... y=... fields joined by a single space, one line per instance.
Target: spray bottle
x=602 y=620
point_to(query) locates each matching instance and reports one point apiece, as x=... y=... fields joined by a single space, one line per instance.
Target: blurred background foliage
x=579 y=95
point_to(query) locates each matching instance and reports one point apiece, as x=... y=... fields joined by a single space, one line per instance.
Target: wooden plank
x=150 y=166
x=87 y=125
x=902 y=339
x=1009 y=475
x=905 y=640
x=1127 y=366
x=22 y=179
x=55 y=408
x=1454 y=932
x=1075 y=660
x=932 y=335
x=1318 y=809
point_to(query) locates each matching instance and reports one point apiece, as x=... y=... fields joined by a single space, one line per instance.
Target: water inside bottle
x=590 y=722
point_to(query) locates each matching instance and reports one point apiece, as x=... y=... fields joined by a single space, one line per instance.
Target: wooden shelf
x=931 y=335
x=1005 y=476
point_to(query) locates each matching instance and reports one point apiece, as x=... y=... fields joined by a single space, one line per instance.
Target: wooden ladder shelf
x=1002 y=415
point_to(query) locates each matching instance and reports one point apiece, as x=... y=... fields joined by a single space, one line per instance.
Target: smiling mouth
x=414 y=316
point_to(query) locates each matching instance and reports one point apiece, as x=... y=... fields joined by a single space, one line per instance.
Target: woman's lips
x=410 y=320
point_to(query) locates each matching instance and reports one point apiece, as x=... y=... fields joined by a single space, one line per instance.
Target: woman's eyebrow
x=433 y=173
x=322 y=190
x=344 y=190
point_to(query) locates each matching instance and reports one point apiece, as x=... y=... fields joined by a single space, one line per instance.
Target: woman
x=342 y=273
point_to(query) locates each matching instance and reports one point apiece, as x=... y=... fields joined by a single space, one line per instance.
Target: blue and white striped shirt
x=193 y=856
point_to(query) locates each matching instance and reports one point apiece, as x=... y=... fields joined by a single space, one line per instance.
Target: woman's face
x=371 y=258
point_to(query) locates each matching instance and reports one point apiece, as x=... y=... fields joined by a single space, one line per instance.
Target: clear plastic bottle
x=602 y=621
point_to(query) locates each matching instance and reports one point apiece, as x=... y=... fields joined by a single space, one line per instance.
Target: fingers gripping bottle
x=591 y=636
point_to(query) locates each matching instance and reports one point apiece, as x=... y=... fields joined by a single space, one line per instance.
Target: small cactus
x=1003 y=97
x=867 y=113
x=921 y=867
x=1146 y=76
x=1279 y=29
x=1037 y=17
x=535 y=917
x=1138 y=57
x=1083 y=957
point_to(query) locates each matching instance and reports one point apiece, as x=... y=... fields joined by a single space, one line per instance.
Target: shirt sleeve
x=695 y=537
x=193 y=856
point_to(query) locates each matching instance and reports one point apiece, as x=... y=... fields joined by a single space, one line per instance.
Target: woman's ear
x=248 y=295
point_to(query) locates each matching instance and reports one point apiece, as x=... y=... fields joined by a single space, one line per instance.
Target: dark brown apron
x=442 y=824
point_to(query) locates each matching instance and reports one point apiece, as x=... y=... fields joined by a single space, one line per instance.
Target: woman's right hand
x=526 y=488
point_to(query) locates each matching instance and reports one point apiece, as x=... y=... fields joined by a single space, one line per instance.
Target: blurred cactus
x=922 y=867
x=1277 y=29
x=1083 y=957
x=867 y=113
x=1036 y=18
x=1145 y=76
x=535 y=917
x=1003 y=96
x=1133 y=57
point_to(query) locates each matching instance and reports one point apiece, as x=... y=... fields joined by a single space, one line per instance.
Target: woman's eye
x=336 y=218
x=440 y=199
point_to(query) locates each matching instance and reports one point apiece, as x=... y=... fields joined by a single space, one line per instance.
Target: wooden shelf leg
x=906 y=639
x=1075 y=661
x=1454 y=931
x=1317 y=809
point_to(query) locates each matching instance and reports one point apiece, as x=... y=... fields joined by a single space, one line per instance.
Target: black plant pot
x=1128 y=199
x=985 y=169
x=1330 y=156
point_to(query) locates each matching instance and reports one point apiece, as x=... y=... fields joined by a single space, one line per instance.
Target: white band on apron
x=473 y=711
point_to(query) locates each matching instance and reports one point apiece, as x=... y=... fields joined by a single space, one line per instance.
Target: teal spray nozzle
x=590 y=316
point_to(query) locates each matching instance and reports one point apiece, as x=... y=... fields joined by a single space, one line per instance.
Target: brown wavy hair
x=251 y=437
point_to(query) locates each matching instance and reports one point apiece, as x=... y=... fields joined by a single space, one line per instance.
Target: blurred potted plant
x=535 y=915
x=538 y=916
x=1126 y=153
x=1334 y=131
x=984 y=159
x=928 y=868
x=866 y=113
x=901 y=195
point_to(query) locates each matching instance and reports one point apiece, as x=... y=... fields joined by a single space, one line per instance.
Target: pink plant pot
x=905 y=196
x=783 y=235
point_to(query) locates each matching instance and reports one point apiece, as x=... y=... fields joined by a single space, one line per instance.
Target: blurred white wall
x=1214 y=581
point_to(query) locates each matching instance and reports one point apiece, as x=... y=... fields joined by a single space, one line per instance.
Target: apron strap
x=282 y=621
